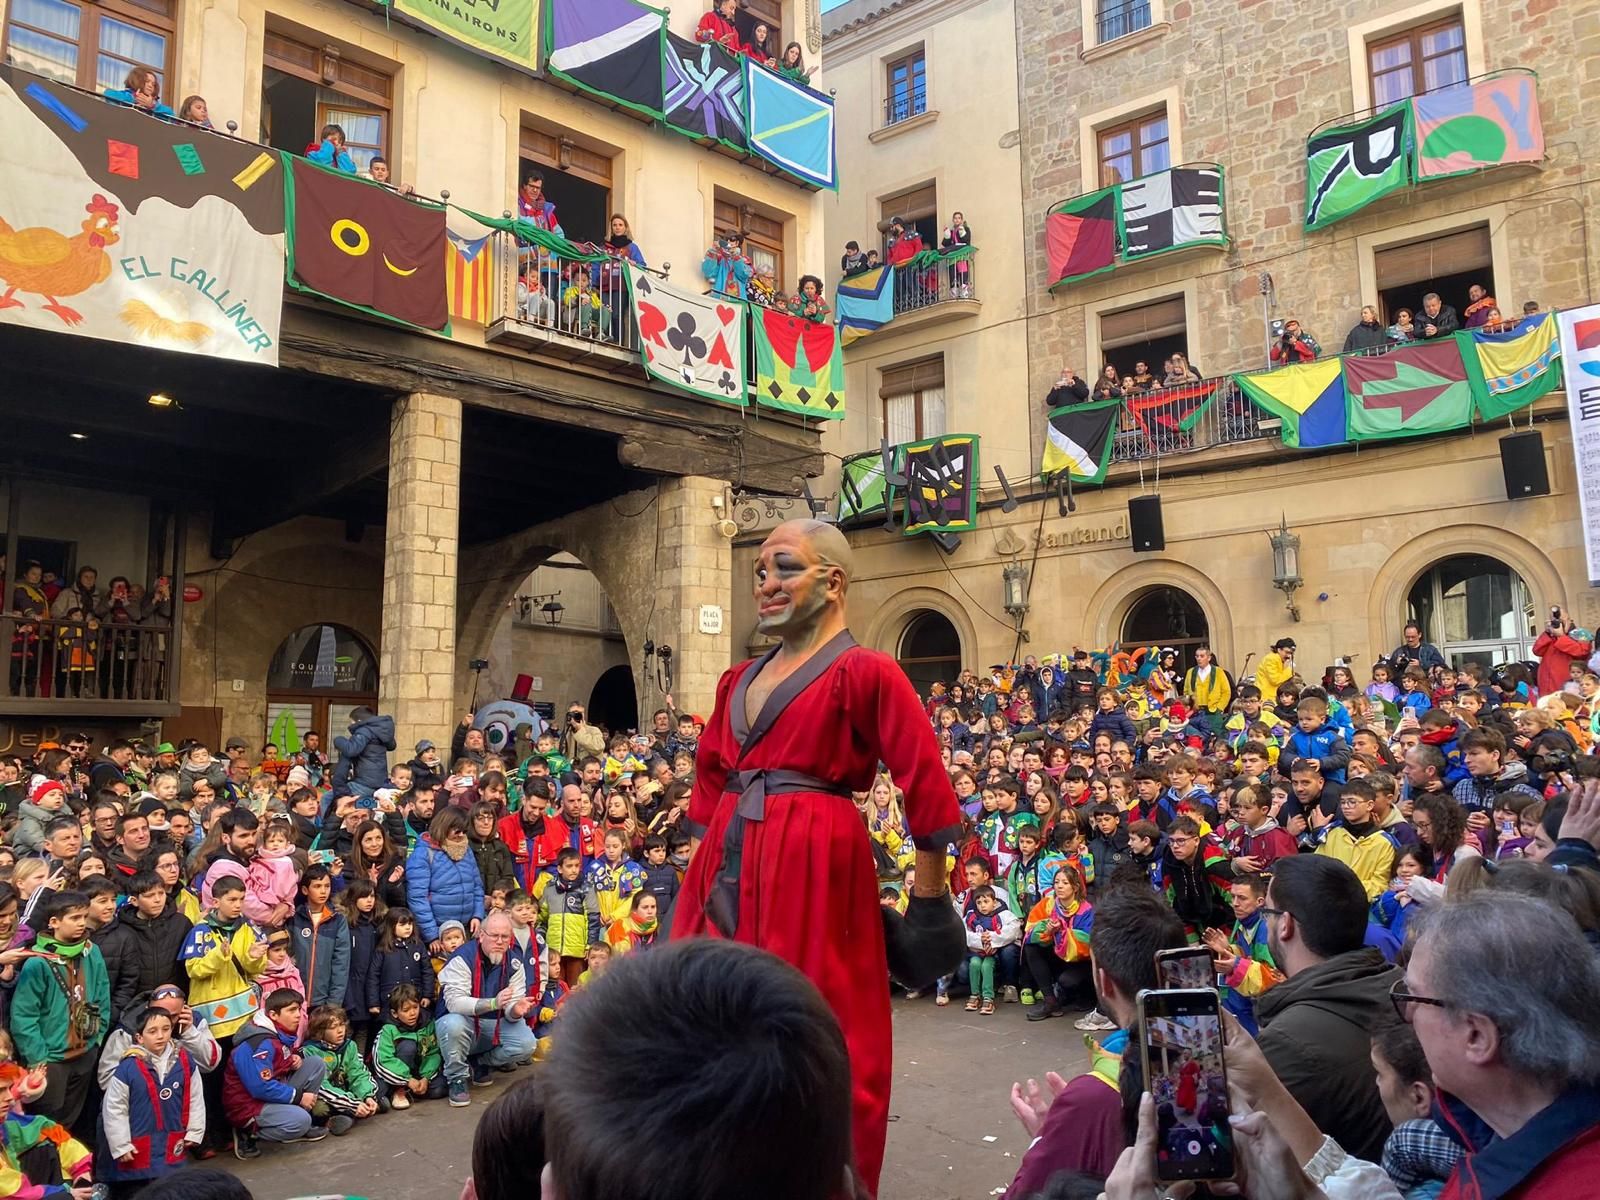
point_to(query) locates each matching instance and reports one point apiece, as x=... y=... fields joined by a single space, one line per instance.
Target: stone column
x=417 y=660
x=695 y=568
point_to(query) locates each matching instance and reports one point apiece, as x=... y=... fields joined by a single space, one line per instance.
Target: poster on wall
x=1580 y=365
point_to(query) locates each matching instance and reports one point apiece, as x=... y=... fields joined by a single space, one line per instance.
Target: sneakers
x=913 y=995
x=988 y=1009
x=973 y=1003
x=1027 y=995
x=1046 y=1009
x=340 y=1124
x=315 y=1134
x=460 y=1097
x=245 y=1146
x=400 y=1099
x=480 y=1072
x=941 y=999
x=1009 y=993
x=1094 y=1022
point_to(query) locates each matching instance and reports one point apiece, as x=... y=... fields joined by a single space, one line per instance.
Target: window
x=753 y=12
x=304 y=88
x=1167 y=616
x=918 y=208
x=913 y=400
x=1118 y=18
x=577 y=180
x=91 y=45
x=1475 y=609
x=763 y=236
x=1149 y=334
x=908 y=87
x=930 y=651
x=1448 y=263
x=1419 y=60
x=1140 y=146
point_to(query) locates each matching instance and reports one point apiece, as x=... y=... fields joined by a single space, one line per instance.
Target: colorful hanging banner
x=1079 y=440
x=1081 y=237
x=1170 y=210
x=366 y=245
x=864 y=302
x=863 y=490
x=799 y=364
x=1349 y=167
x=117 y=226
x=611 y=48
x=507 y=30
x=1580 y=365
x=1410 y=391
x=1510 y=368
x=1175 y=409
x=703 y=91
x=942 y=485
x=691 y=340
x=1307 y=397
x=467 y=276
x=790 y=125
x=1472 y=126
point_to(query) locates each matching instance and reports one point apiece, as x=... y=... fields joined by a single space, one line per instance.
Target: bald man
x=783 y=863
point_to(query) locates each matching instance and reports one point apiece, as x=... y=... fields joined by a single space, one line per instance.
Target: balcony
x=903 y=105
x=932 y=289
x=1115 y=19
x=87 y=667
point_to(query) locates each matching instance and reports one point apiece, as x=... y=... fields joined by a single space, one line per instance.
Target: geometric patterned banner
x=1349 y=167
x=1472 y=126
x=609 y=47
x=1409 y=392
x=703 y=91
x=863 y=491
x=942 y=485
x=790 y=125
x=1172 y=209
x=1513 y=367
x=691 y=340
x=799 y=364
x=509 y=35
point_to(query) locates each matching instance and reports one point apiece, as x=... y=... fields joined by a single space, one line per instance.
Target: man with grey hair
x=484 y=995
x=1437 y=318
x=1501 y=991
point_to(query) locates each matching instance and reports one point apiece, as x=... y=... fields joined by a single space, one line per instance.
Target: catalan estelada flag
x=466 y=273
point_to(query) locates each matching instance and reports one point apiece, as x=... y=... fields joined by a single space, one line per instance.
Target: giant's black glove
x=925 y=944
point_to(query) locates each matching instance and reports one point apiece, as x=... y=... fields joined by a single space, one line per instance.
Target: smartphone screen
x=1191 y=968
x=1181 y=1032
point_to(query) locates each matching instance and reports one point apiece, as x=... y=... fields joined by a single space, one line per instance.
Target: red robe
x=808 y=890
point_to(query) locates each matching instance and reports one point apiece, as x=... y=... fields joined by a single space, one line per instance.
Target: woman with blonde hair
x=886 y=826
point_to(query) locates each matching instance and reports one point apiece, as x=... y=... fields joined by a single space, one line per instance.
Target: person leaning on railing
x=1068 y=388
x=1295 y=346
x=1367 y=333
x=141 y=90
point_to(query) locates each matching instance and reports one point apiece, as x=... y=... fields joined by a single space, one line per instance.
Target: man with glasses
x=1317 y=1024
x=485 y=1001
x=1500 y=990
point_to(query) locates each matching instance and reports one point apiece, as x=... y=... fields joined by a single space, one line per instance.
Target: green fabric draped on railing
x=526 y=231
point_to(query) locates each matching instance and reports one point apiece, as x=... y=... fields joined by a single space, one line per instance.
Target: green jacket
x=430 y=1061
x=39 y=1011
x=348 y=1081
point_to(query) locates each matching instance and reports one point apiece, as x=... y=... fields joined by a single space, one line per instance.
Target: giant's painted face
x=500 y=720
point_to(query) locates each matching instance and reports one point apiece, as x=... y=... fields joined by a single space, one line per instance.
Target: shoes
x=1009 y=994
x=941 y=999
x=401 y=1099
x=1045 y=1010
x=245 y=1146
x=460 y=1097
x=202 y=1153
x=913 y=995
x=988 y=1009
x=507 y=1068
x=973 y=1003
x=340 y=1124
x=1027 y=996
x=1094 y=1022
x=480 y=1073
x=315 y=1134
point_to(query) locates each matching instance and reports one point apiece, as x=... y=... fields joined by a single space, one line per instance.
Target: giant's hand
x=925 y=944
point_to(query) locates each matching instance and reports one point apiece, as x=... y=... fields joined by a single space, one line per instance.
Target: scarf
x=455 y=855
x=619 y=244
x=61 y=949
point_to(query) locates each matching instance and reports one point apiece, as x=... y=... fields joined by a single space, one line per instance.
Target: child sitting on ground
x=406 y=1056
x=598 y=958
x=990 y=925
x=347 y=1093
x=154 y=1108
x=39 y=1155
x=266 y=1081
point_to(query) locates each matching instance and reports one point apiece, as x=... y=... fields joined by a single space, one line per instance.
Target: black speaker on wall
x=1144 y=524
x=1522 y=460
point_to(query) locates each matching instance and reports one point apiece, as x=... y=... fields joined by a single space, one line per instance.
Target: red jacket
x=713 y=28
x=1298 y=351
x=1556 y=653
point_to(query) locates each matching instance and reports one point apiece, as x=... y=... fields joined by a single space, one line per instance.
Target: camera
x=478 y=664
x=1553 y=762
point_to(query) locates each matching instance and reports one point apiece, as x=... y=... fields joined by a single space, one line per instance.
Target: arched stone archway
x=891 y=619
x=1386 y=611
x=1112 y=601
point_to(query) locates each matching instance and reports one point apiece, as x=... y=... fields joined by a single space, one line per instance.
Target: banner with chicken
x=121 y=226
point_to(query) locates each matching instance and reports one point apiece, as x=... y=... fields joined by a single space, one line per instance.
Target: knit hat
x=424 y=746
x=43 y=788
x=449 y=925
x=298 y=777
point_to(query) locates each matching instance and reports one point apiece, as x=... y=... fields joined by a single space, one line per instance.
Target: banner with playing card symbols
x=691 y=340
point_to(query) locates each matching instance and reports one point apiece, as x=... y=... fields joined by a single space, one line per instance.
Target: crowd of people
x=81 y=640
x=208 y=951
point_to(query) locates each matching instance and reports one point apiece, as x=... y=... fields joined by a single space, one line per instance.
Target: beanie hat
x=449 y=925
x=43 y=788
x=298 y=777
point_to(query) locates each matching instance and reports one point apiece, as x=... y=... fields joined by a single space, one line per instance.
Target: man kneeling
x=485 y=998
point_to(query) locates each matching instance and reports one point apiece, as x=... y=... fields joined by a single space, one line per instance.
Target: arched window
x=930 y=651
x=1475 y=609
x=318 y=675
x=1166 y=616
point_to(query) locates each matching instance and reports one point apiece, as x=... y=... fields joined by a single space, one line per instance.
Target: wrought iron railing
x=904 y=104
x=539 y=292
x=1118 y=18
x=86 y=660
x=1182 y=418
x=933 y=278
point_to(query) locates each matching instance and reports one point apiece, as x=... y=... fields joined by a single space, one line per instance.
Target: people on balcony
x=1438 y=318
x=910 y=287
x=852 y=261
x=1143 y=381
x=1479 y=305
x=82 y=594
x=793 y=66
x=378 y=171
x=1404 y=329
x=586 y=314
x=1107 y=386
x=608 y=276
x=1179 y=372
x=1069 y=388
x=142 y=90
x=957 y=234
x=717 y=26
x=758 y=47
x=540 y=275
x=329 y=150
x=194 y=110
x=1366 y=334
x=1294 y=345
x=809 y=302
x=725 y=266
x=764 y=288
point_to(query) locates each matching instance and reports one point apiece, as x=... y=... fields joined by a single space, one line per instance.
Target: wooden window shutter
x=1161 y=319
x=1420 y=262
x=913 y=377
x=918 y=202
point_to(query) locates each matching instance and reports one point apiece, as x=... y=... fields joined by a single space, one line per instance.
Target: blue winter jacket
x=440 y=889
x=1117 y=724
x=364 y=753
x=322 y=952
x=328 y=155
x=1326 y=745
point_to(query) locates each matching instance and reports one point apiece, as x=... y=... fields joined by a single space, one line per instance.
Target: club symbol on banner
x=685 y=336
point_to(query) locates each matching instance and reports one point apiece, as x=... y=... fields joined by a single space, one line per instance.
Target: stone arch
x=1386 y=605
x=1108 y=608
x=894 y=615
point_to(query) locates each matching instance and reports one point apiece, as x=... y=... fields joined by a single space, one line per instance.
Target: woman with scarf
x=638 y=927
x=1056 y=943
x=442 y=880
x=608 y=276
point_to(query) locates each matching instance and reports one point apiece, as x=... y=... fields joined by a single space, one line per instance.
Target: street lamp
x=1286 y=564
x=1015 y=579
x=551 y=609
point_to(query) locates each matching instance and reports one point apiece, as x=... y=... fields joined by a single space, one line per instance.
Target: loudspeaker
x=1144 y=520
x=1522 y=460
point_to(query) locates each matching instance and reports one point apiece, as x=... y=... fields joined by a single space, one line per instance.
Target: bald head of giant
x=802 y=573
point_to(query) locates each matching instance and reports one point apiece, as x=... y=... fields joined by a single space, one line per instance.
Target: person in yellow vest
x=1208 y=688
x=1276 y=668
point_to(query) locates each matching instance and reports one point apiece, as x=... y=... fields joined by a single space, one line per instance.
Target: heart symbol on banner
x=725 y=314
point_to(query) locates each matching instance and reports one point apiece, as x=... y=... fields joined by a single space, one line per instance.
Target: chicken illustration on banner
x=366 y=246
x=692 y=340
x=117 y=226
